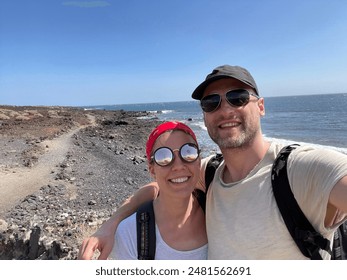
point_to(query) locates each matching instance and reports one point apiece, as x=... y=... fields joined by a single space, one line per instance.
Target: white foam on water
x=318 y=146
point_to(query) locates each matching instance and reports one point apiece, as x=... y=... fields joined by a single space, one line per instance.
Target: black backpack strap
x=210 y=170
x=340 y=243
x=305 y=236
x=145 y=226
x=201 y=198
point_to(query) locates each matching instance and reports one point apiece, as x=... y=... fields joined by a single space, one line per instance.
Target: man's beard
x=244 y=138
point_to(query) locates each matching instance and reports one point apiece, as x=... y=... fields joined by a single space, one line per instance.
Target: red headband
x=160 y=129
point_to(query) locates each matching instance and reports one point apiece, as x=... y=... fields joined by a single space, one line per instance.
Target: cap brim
x=199 y=91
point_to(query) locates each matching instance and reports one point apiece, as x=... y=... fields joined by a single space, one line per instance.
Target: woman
x=174 y=162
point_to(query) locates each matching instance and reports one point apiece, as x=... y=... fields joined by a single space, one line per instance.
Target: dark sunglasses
x=236 y=98
x=164 y=156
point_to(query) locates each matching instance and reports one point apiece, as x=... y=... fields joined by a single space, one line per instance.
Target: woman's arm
x=338 y=195
x=103 y=238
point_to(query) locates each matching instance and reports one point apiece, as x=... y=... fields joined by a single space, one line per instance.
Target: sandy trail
x=23 y=181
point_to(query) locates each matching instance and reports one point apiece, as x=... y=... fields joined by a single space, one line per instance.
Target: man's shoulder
x=206 y=160
x=315 y=153
x=299 y=150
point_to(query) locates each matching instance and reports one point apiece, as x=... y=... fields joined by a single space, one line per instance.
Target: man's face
x=229 y=126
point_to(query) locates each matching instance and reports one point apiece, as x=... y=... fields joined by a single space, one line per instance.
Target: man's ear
x=261 y=107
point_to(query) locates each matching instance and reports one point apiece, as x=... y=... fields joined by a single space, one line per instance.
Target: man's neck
x=239 y=162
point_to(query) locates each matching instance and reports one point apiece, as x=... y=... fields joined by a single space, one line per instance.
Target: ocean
x=318 y=120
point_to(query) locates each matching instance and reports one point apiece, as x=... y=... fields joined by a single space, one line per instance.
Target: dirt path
x=20 y=182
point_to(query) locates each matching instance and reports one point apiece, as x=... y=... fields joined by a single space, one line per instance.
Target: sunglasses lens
x=238 y=98
x=163 y=156
x=210 y=102
x=189 y=152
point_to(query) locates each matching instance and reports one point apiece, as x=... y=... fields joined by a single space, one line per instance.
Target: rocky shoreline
x=104 y=163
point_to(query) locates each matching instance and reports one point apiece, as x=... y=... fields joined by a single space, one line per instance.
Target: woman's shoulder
x=128 y=224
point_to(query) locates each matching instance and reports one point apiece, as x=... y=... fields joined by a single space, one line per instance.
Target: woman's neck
x=177 y=211
x=181 y=222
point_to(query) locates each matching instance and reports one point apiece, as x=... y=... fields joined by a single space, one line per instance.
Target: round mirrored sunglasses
x=164 y=156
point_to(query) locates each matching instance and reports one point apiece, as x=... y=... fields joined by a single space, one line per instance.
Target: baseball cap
x=225 y=71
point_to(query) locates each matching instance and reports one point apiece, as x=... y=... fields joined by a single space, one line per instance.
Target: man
x=242 y=217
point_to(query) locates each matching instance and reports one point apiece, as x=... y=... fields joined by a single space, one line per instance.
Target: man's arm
x=103 y=238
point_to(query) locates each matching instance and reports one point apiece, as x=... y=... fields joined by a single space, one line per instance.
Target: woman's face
x=179 y=178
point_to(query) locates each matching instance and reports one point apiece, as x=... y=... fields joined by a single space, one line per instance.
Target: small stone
x=92 y=202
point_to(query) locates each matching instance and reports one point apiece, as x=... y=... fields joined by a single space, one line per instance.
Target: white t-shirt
x=242 y=218
x=125 y=247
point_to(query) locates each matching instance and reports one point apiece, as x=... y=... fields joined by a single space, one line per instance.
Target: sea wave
x=318 y=146
x=167 y=111
x=149 y=117
x=201 y=125
x=160 y=111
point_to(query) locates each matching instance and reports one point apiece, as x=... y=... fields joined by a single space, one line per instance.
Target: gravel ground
x=102 y=164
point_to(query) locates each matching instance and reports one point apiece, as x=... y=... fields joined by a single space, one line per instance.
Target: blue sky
x=75 y=53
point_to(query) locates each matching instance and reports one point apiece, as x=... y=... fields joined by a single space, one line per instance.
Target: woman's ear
x=151 y=170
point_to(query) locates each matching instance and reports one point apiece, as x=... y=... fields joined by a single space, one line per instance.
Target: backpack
x=307 y=239
x=305 y=236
